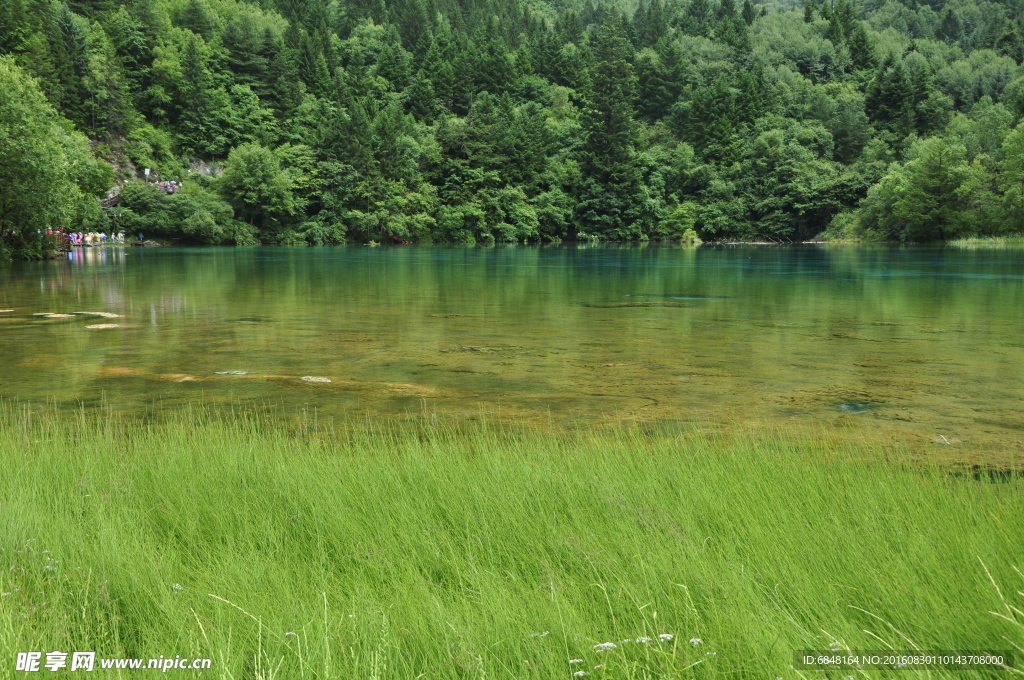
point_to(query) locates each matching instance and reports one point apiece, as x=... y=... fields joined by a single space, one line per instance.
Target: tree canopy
x=484 y=121
x=48 y=172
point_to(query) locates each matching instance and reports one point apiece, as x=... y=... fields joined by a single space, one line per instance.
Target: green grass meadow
x=1013 y=241
x=281 y=549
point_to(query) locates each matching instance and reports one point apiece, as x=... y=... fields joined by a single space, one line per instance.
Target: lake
x=920 y=346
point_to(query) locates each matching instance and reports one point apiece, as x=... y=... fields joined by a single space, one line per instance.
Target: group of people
x=78 y=238
x=168 y=187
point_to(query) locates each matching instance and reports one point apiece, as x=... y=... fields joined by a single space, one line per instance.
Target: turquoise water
x=921 y=346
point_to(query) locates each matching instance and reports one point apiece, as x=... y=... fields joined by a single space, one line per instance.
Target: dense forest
x=484 y=121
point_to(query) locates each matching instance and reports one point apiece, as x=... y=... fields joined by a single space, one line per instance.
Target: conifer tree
x=14 y=27
x=748 y=12
x=713 y=120
x=195 y=16
x=809 y=6
x=1010 y=42
x=698 y=15
x=889 y=98
x=421 y=101
x=392 y=66
x=611 y=206
x=861 y=52
x=71 y=65
x=950 y=29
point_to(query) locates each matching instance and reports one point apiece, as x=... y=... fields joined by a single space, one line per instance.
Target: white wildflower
x=600 y=665
x=605 y=646
x=666 y=637
x=696 y=641
x=579 y=674
x=177 y=586
x=711 y=653
x=575 y=660
x=625 y=642
x=834 y=645
x=643 y=640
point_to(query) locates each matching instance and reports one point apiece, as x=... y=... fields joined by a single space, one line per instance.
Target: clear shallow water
x=920 y=346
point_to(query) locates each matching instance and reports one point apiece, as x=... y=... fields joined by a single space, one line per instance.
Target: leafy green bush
x=193 y=215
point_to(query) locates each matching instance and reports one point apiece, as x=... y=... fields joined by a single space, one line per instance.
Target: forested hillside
x=482 y=121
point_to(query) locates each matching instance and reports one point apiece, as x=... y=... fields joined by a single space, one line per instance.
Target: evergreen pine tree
x=392 y=65
x=654 y=26
x=889 y=98
x=654 y=87
x=713 y=120
x=698 y=14
x=323 y=83
x=420 y=99
x=612 y=204
x=861 y=52
x=71 y=62
x=754 y=95
x=846 y=16
x=14 y=28
x=195 y=16
x=285 y=88
x=834 y=32
x=109 y=101
x=950 y=29
x=244 y=43
x=1010 y=43
x=494 y=70
x=640 y=24
x=748 y=12
x=437 y=67
x=201 y=124
x=825 y=10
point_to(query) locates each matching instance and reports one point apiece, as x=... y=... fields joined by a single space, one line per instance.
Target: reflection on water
x=921 y=346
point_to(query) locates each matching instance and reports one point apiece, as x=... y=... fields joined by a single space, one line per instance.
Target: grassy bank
x=1015 y=241
x=371 y=552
